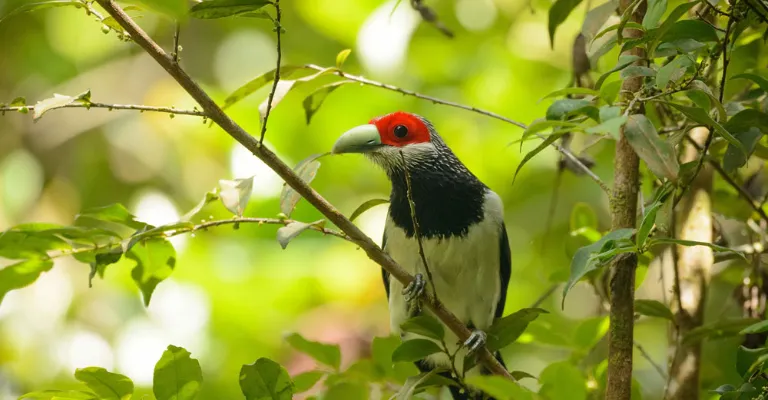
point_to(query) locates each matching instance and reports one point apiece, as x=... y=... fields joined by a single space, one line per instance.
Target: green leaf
x=658 y=154
x=690 y=29
x=759 y=327
x=285 y=86
x=21 y=274
x=111 y=213
x=409 y=388
x=562 y=380
x=155 y=260
x=508 y=329
x=645 y=226
x=653 y=308
x=543 y=124
x=210 y=197
x=365 y=207
x=287 y=233
x=306 y=380
x=341 y=58
x=596 y=18
x=557 y=15
x=19 y=243
x=60 y=395
x=103 y=258
x=748 y=126
x=256 y=84
x=723 y=389
x=663 y=240
x=414 y=350
x=636 y=70
x=571 y=90
x=265 y=379
x=611 y=127
x=583 y=261
x=676 y=14
x=653 y=14
x=759 y=80
x=500 y=388
x=747 y=359
x=624 y=61
x=225 y=8
x=306 y=169
x=424 y=325
x=590 y=331
x=328 y=354
x=720 y=329
x=673 y=71
x=58 y=101
x=548 y=141
x=562 y=107
x=235 y=194
x=177 y=375
x=107 y=385
x=702 y=87
x=42 y=6
x=176 y=9
x=701 y=116
x=314 y=101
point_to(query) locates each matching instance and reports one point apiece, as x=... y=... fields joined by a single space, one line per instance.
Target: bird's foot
x=413 y=292
x=476 y=340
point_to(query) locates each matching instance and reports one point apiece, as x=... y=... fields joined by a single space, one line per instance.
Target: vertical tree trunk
x=624 y=215
x=693 y=267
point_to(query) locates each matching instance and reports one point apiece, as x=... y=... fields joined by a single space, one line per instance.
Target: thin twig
x=565 y=152
x=278 y=30
x=544 y=296
x=176 y=48
x=648 y=358
x=429 y=15
x=141 y=108
x=213 y=111
x=416 y=230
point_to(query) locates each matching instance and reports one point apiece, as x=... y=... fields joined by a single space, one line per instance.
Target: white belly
x=465 y=272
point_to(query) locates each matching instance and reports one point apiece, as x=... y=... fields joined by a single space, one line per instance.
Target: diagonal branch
x=565 y=152
x=216 y=114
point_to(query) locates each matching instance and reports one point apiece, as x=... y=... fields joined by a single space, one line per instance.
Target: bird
x=460 y=221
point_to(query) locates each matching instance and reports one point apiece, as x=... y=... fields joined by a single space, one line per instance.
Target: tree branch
x=278 y=30
x=216 y=114
x=141 y=108
x=565 y=152
x=624 y=215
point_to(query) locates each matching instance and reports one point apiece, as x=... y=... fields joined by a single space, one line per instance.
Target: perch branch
x=215 y=113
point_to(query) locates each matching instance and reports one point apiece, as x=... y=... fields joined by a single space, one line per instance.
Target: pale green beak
x=360 y=139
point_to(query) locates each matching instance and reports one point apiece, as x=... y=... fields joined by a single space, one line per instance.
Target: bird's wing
x=505 y=269
x=384 y=273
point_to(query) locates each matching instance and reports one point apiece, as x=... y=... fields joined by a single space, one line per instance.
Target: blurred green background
x=236 y=293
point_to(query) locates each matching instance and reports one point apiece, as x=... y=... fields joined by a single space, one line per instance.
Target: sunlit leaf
x=107 y=385
x=342 y=57
x=414 y=350
x=582 y=215
x=611 y=127
x=60 y=395
x=59 y=101
x=116 y=213
x=256 y=84
x=265 y=380
x=759 y=80
x=424 y=325
x=29 y=7
x=596 y=18
x=658 y=154
x=508 y=329
x=19 y=243
x=177 y=375
x=563 y=380
x=210 y=9
x=583 y=261
x=747 y=127
x=285 y=86
x=409 y=388
x=306 y=380
x=365 y=207
x=21 y=274
x=328 y=354
x=287 y=233
x=235 y=194
x=653 y=308
x=499 y=387
x=314 y=101
x=654 y=12
x=381 y=354
x=155 y=260
x=306 y=169
x=176 y=9
x=209 y=198
x=557 y=15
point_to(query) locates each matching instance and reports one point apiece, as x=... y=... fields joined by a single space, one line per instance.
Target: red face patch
x=401 y=128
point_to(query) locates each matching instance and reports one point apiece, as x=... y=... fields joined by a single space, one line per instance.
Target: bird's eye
x=400 y=131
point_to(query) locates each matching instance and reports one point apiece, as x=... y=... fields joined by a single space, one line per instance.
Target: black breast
x=448 y=198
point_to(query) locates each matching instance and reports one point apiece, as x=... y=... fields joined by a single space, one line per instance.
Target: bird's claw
x=415 y=289
x=476 y=340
